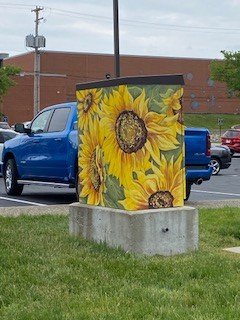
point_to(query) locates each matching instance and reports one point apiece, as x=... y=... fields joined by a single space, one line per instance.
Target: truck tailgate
x=196 y=148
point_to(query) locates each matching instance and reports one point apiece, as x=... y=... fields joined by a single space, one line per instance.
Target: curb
x=63 y=210
x=34 y=210
x=214 y=203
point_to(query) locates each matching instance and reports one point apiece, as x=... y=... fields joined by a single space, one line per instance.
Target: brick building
x=60 y=71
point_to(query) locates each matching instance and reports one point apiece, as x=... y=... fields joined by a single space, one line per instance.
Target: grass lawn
x=210 y=121
x=47 y=274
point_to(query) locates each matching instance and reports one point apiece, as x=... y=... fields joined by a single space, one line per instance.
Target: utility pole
x=116 y=38
x=37 y=63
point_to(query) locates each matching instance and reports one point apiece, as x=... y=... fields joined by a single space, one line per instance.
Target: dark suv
x=220 y=158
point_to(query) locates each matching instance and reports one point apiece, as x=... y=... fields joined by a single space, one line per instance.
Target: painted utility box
x=131 y=143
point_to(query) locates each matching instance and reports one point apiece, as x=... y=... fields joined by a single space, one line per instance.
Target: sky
x=173 y=28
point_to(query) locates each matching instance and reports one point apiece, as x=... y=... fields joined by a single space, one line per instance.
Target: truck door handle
x=57 y=139
x=36 y=141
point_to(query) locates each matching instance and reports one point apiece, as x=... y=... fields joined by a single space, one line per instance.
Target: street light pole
x=116 y=38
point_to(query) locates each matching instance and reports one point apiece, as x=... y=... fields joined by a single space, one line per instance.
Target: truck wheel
x=10 y=179
x=216 y=165
x=188 y=190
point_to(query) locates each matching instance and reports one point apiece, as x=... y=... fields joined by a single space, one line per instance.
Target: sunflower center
x=94 y=172
x=160 y=199
x=131 y=131
x=87 y=102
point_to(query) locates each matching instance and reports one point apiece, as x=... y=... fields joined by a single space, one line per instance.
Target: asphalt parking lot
x=224 y=186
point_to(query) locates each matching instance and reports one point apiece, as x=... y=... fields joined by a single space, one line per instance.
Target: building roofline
x=19 y=55
x=111 y=55
x=128 y=55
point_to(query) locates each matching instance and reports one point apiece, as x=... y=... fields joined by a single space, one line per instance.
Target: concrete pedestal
x=165 y=232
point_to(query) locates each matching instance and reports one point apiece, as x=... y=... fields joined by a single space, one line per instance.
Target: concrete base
x=164 y=231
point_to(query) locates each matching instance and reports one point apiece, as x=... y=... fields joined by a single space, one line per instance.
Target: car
x=231 y=138
x=5 y=135
x=220 y=158
x=4 y=125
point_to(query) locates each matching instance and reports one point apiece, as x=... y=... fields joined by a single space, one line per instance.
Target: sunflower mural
x=131 y=143
x=160 y=189
x=172 y=100
x=88 y=101
x=91 y=163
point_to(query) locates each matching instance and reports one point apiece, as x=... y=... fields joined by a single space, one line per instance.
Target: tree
x=5 y=79
x=228 y=71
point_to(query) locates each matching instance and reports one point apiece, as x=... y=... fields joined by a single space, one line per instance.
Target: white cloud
x=150 y=27
x=92 y=28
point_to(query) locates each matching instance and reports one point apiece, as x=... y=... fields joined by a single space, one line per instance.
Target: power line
x=173 y=27
x=143 y=22
x=14 y=5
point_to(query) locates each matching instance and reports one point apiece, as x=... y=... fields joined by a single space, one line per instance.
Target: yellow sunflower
x=88 y=103
x=91 y=163
x=173 y=101
x=132 y=133
x=162 y=189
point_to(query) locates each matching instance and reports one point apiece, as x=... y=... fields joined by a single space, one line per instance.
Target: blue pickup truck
x=47 y=153
x=197 y=157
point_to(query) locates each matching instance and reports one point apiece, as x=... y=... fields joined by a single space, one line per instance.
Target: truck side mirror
x=19 y=127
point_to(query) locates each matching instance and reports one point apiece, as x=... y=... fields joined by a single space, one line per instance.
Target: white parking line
x=23 y=201
x=216 y=192
x=233 y=175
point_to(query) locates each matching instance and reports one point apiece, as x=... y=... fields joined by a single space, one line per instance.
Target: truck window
x=59 y=120
x=39 y=124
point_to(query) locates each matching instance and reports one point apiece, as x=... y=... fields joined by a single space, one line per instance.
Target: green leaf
x=135 y=91
x=114 y=190
x=5 y=79
x=109 y=202
x=83 y=200
x=227 y=70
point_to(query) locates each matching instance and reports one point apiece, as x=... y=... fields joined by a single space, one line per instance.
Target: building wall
x=61 y=71
x=24 y=61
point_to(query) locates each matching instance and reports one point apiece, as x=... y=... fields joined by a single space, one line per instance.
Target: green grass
x=47 y=274
x=210 y=121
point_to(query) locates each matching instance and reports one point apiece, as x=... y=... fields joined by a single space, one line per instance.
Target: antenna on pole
x=36 y=42
x=116 y=38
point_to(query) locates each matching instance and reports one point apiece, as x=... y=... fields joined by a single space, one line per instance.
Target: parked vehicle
x=220 y=158
x=47 y=154
x=197 y=157
x=5 y=135
x=4 y=125
x=231 y=138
